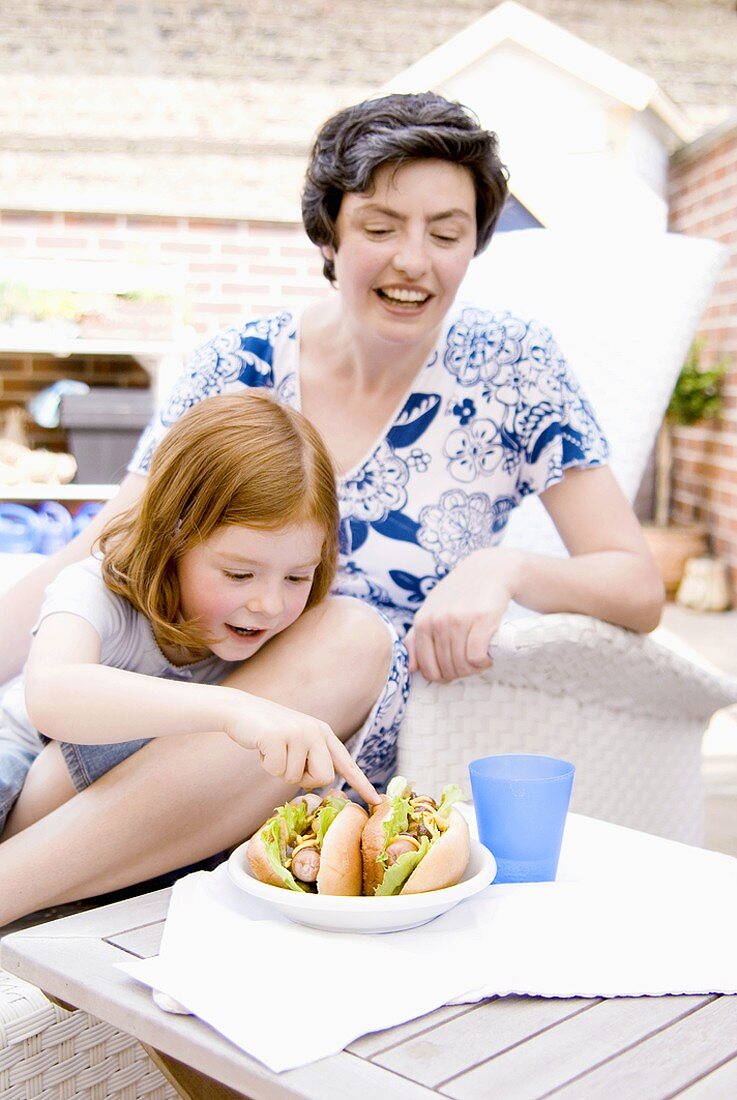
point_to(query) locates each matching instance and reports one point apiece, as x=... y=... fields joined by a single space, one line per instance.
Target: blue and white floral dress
x=494 y=415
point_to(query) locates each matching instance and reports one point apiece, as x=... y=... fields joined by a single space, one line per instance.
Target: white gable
x=585 y=137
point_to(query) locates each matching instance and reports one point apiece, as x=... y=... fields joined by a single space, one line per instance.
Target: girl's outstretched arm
x=71 y=697
x=183 y=798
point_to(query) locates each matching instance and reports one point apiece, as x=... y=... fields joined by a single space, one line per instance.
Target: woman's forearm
x=90 y=704
x=619 y=586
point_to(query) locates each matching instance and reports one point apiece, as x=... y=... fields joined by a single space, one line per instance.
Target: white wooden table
x=515 y=1048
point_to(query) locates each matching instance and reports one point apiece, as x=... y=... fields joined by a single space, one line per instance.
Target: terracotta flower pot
x=672 y=546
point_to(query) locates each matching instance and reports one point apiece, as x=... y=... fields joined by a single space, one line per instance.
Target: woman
x=440 y=419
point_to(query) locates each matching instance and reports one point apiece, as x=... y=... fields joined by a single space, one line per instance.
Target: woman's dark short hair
x=352 y=144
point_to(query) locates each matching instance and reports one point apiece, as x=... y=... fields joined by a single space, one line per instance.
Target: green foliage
x=17 y=300
x=698 y=392
x=38 y=304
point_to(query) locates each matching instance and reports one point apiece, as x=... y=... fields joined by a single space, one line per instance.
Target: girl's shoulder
x=82 y=581
x=86 y=572
x=79 y=589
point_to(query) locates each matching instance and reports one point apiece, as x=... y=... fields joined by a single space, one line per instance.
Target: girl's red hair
x=234 y=459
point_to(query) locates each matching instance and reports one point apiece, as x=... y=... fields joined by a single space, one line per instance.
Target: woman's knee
x=358 y=633
x=332 y=663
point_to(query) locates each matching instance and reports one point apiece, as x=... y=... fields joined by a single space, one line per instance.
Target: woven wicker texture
x=628 y=712
x=47 y=1053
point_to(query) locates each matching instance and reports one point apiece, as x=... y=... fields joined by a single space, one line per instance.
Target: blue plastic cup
x=521 y=803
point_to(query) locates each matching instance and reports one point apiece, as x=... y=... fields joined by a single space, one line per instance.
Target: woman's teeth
x=404 y=297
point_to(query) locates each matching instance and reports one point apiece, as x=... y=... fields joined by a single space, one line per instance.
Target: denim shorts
x=18 y=749
x=86 y=763
x=374 y=746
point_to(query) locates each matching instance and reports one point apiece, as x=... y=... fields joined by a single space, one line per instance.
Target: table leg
x=189 y=1083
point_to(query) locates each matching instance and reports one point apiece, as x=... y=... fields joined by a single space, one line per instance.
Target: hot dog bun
x=270 y=851
x=447 y=850
x=340 y=866
x=446 y=861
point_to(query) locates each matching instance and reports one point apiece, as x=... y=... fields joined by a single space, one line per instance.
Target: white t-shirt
x=127 y=638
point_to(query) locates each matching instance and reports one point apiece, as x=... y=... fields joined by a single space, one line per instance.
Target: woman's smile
x=404 y=298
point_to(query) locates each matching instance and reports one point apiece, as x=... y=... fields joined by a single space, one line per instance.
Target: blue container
x=19 y=529
x=83 y=516
x=521 y=803
x=55 y=527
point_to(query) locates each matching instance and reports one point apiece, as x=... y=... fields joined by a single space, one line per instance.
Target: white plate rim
x=241 y=875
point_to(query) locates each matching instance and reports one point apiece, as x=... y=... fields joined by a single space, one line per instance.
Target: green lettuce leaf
x=274 y=843
x=398 y=787
x=295 y=815
x=398 y=820
x=396 y=875
x=326 y=815
x=448 y=799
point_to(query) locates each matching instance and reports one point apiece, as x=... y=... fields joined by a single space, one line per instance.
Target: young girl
x=235 y=536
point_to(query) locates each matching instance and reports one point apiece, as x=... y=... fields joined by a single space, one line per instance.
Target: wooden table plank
x=648 y=1047
x=554 y=1057
x=345 y=1076
x=451 y=1048
x=143 y=942
x=717 y=1085
x=377 y=1041
x=667 y=1062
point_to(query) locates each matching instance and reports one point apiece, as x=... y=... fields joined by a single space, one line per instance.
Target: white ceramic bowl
x=365 y=914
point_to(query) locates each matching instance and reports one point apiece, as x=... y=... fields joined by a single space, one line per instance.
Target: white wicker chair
x=627 y=710
x=47 y=1053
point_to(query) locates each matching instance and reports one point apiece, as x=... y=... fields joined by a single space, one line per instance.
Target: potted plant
x=697 y=396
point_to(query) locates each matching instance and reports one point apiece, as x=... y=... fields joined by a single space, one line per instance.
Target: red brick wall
x=703 y=198
x=228 y=271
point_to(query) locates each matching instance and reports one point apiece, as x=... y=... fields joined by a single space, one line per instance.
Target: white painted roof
x=513 y=22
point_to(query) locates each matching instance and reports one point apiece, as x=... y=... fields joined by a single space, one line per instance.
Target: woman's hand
x=452 y=630
x=609 y=575
x=295 y=747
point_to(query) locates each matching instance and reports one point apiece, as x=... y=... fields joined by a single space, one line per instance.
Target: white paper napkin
x=288 y=994
x=630 y=914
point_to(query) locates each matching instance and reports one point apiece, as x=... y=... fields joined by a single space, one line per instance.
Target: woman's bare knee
x=361 y=638
x=332 y=663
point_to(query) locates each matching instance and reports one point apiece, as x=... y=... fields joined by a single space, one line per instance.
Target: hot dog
x=311 y=844
x=412 y=843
